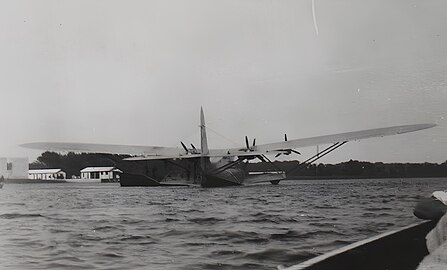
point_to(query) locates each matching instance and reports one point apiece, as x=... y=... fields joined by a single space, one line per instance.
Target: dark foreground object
x=138 y=180
x=402 y=249
x=430 y=208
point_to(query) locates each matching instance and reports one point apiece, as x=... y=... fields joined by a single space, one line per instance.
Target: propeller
x=184 y=147
x=286 y=152
x=193 y=150
x=247 y=144
x=248 y=148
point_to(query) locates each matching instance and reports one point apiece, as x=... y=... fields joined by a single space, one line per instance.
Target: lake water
x=104 y=226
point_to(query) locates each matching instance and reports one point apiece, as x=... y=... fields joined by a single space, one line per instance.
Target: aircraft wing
x=139 y=152
x=159 y=157
x=106 y=148
x=217 y=154
x=159 y=152
x=320 y=140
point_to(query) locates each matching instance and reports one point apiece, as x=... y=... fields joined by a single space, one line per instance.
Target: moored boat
x=401 y=249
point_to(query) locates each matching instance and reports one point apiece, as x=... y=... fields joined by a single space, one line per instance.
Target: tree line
x=73 y=163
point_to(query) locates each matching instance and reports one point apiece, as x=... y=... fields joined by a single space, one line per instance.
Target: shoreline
x=56 y=181
x=290 y=178
x=348 y=177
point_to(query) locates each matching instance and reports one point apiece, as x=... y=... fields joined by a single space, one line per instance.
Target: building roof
x=45 y=171
x=100 y=169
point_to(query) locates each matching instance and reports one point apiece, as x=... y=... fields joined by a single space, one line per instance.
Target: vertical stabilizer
x=203 y=140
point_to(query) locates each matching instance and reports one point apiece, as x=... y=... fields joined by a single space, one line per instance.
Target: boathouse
x=46 y=174
x=105 y=174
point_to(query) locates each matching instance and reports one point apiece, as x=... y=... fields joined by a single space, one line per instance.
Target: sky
x=137 y=72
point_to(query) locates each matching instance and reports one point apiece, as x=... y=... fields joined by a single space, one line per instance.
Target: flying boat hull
x=138 y=180
x=226 y=178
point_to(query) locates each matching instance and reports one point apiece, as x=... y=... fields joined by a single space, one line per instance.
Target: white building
x=47 y=174
x=4 y=167
x=14 y=168
x=105 y=174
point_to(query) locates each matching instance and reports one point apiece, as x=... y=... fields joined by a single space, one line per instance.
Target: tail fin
x=203 y=140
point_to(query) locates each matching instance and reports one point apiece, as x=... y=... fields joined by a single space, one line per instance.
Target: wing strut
x=316 y=157
x=264 y=158
x=227 y=166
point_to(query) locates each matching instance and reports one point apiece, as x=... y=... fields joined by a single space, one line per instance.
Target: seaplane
x=229 y=169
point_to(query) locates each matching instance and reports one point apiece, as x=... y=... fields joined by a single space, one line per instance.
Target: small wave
x=322 y=224
x=17 y=215
x=132 y=221
x=375 y=214
x=236 y=237
x=280 y=255
x=340 y=242
x=135 y=237
x=191 y=210
x=195 y=244
x=226 y=252
x=172 y=219
x=287 y=235
x=384 y=224
x=378 y=208
x=173 y=232
x=205 y=221
x=225 y=266
x=65 y=258
x=105 y=228
x=111 y=255
x=85 y=237
x=368 y=231
x=13 y=204
x=326 y=206
x=262 y=217
x=291 y=235
x=60 y=266
x=58 y=230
